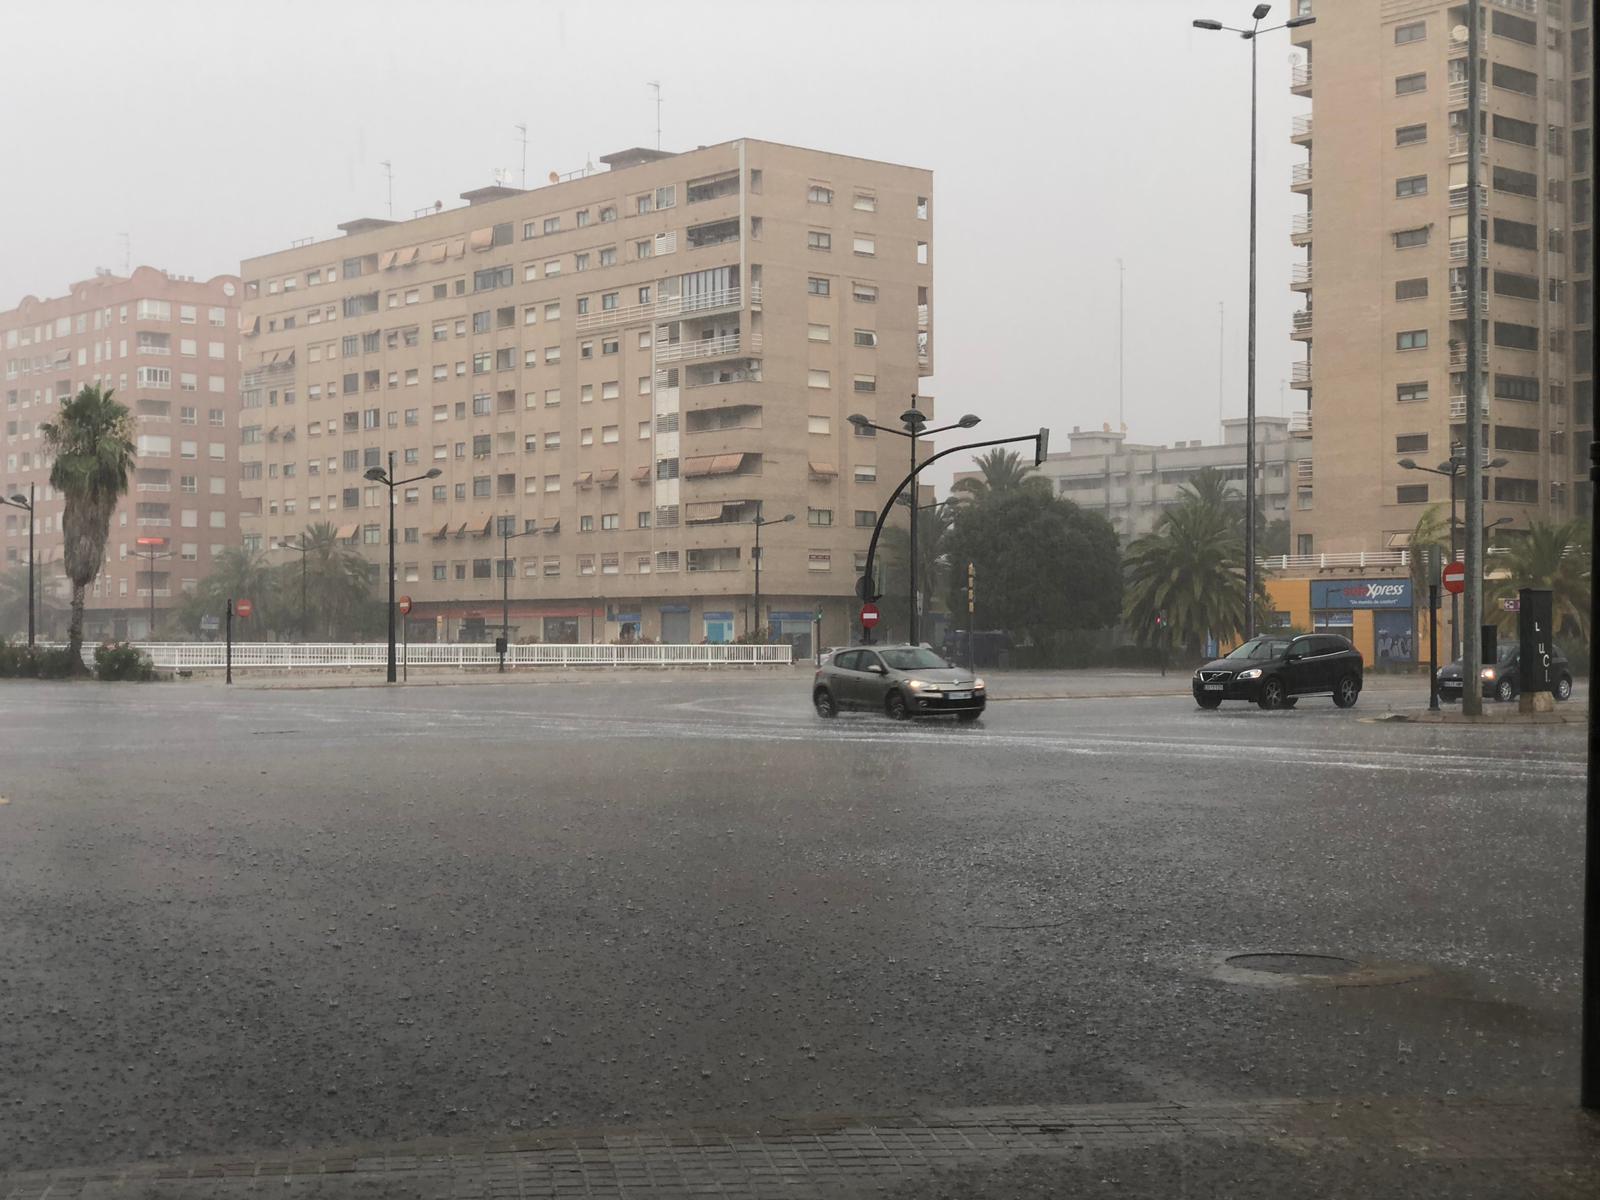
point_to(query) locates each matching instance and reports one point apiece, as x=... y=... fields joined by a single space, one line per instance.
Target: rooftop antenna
x=127 y=254
x=388 y=170
x=1122 y=417
x=522 y=128
x=656 y=83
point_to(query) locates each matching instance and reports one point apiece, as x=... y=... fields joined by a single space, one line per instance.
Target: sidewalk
x=1538 y=1146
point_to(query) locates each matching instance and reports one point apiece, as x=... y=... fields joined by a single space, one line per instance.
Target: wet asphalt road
x=239 y=921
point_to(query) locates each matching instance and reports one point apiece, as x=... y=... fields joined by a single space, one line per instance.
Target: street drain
x=1293 y=964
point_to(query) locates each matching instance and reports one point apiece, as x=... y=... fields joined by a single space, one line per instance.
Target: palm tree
x=1553 y=554
x=1431 y=530
x=14 y=603
x=340 y=580
x=1001 y=471
x=1189 y=568
x=92 y=445
x=933 y=527
x=236 y=574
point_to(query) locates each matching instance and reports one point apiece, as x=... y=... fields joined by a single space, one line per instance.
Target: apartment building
x=623 y=369
x=1132 y=484
x=1385 y=237
x=169 y=347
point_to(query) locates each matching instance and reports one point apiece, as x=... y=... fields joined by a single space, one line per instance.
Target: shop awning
x=482 y=239
x=823 y=470
x=607 y=477
x=641 y=474
x=345 y=532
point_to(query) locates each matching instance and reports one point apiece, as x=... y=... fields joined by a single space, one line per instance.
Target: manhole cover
x=1293 y=964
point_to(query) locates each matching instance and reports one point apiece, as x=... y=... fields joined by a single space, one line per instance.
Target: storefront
x=1388 y=637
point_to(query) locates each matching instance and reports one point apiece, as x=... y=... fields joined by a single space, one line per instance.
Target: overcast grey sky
x=1062 y=134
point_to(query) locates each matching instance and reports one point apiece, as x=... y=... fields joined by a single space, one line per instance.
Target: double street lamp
x=1252 y=35
x=507 y=524
x=1452 y=469
x=302 y=550
x=25 y=503
x=913 y=426
x=761 y=522
x=151 y=555
x=386 y=477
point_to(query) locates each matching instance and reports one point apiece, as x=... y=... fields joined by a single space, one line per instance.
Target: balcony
x=153 y=522
x=1300 y=79
x=1300 y=277
x=1458 y=198
x=705 y=303
x=1300 y=229
x=1300 y=375
x=1303 y=472
x=1458 y=355
x=1300 y=424
x=1459 y=143
x=1301 y=327
x=714 y=233
x=1458 y=249
x=1300 y=177
x=1458 y=408
x=161 y=593
x=728 y=345
x=1457 y=93
x=1458 y=302
x=1300 y=130
x=922 y=316
x=152 y=487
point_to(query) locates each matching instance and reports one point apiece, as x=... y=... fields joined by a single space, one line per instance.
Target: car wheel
x=967 y=718
x=1564 y=688
x=895 y=707
x=1208 y=701
x=1346 y=691
x=822 y=698
x=1504 y=692
x=1272 y=694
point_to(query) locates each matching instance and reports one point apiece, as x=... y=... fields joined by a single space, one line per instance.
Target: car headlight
x=977 y=685
x=1487 y=673
x=1252 y=673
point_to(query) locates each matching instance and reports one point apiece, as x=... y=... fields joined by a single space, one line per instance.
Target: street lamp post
x=26 y=505
x=1452 y=469
x=913 y=421
x=151 y=555
x=506 y=535
x=1251 y=35
x=305 y=618
x=386 y=477
x=760 y=522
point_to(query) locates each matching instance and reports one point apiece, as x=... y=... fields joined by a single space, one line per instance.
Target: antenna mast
x=388 y=170
x=656 y=83
x=522 y=128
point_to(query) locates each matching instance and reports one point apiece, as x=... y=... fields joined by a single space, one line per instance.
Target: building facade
x=1131 y=484
x=1385 y=238
x=169 y=347
x=624 y=369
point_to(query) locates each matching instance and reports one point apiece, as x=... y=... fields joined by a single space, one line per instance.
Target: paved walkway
x=1396 y=1146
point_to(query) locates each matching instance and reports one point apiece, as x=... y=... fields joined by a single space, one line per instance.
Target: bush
x=118 y=662
x=21 y=661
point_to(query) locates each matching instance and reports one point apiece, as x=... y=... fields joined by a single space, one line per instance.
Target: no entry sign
x=243 y=608
x=1454 y=578
x=405 y=605
x=869 y=615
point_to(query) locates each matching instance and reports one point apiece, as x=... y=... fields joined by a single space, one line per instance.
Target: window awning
x=555 y=526
x=387 y=260
x=1399 y=541
x=438 y=252
x=248 y=325
x=345 y=531
x=726 y=464
x=458 y=247
x=584 y=479
x=481 y=528
x=461 y=530
x=698 y=511
x=823 y=470
x=693 y=468
x=482 y=239
x=444 y=530
x=606 y=477
x=641 y=474
x=408 y=256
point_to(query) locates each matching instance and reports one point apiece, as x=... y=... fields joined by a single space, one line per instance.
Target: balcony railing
x=1300 y=374
x=1300 y=77
x=1458 y=198
x=1302 y=324
x=1300 y=228
x=1459 y=144
x=161 y=593
x=1458 y=249
x=1300 y=130
x=160 y=351
x=727 y=346
x=1458 y=408
x=922 y=316
x=1300 y=275
x=1303 y=470
x=153 y=487
x=1300 y=175
x=1458 y=302
x=153 y=522
x=1458 y=356
x=1457 y=92
x=1300 y=424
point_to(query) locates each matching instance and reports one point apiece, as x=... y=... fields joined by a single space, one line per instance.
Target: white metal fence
x=185 y=656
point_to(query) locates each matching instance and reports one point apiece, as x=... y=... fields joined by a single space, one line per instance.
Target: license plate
x=1213 y=687
x=959 y=695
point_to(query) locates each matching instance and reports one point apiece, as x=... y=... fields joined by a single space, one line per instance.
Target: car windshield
x=914 y=659
x=1262 y=648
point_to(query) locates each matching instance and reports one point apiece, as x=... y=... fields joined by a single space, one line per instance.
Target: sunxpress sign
x=1360 y=593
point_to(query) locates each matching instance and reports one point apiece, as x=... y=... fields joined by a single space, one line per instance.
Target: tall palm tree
x=1553 y=554
x=1190 y=568
x=91 y=442
x=236 y=574
x=1001 y=471
x=340 y=580
x=1431 y=529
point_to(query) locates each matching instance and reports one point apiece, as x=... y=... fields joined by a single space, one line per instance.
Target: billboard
x=1360 y=593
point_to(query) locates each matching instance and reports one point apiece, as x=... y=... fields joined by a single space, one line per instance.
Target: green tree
x=91 y=442
x=1001 y=471
x=339 y=585
x=49 y=615
x=894 y=555
x=1190 y=568
x=236 y=574
x=1043 y=564
x=1431 y=529
x=1557 y=555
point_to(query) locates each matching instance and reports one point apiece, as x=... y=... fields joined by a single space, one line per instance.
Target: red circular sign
x=243 y=608
x=869 y=615
x=1454 y=577
x=405 y=605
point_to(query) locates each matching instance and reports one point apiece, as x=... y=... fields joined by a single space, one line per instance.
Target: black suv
x=1502 y=680
x=1276 y=671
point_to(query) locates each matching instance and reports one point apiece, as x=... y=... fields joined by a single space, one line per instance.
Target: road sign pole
x=1589 y=1067
x=1433 y=647
x=229 y=678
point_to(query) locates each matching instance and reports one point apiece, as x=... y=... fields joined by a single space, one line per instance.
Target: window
x=819 y=516
x=818 y=287
x=1516 y=29
x=865 y=383
x=1411 y=339
x=865 y=202
x=552 y=225
x=818 y=333
x=818 y=239
x=1411 y=289
x=1518 y=183
x=1516 y=337
x=866 y=473
x=1508 y=129
x=1523 y=287
x=1516 y=233
x=817 y=379
x=1410 y=135
x=867 y=338
x=819 y=425
x=817 y=194
x=1517 y=439
x=819 y=561
x=1405 y=238
x=1411 y=443
x=1512 y=79
x=1516 y=491
x=1411 y=493
x=1408 y=393
x=864 y=293
x=864 y=246
x=1516 y=387
x=1415 y=31
x=1405 y=85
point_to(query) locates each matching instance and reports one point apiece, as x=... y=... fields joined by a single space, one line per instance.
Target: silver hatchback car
x=899 y=681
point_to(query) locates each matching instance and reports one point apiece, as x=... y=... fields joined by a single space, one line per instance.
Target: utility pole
x=1472 y=637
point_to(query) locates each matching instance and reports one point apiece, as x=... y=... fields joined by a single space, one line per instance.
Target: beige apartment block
x=624 y=368
x=168 y=346
x=1385 y=238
